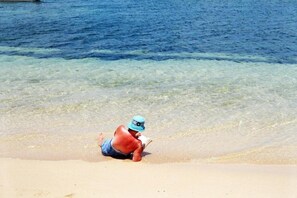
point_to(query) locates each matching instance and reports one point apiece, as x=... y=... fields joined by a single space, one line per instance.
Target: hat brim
x=135 y=128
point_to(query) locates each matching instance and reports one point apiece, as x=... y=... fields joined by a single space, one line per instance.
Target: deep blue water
x=152 y=29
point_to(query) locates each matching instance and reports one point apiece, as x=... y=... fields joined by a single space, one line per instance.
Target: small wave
x=285 y=154
x=27 y=50
x=185 y=55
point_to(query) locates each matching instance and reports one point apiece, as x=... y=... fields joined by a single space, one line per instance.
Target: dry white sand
x=116 y=178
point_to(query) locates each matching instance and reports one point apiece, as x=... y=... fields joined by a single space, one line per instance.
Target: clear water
x=215 y=81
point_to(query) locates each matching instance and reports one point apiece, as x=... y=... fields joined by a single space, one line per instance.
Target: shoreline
x=84 y=147
x=113 y=178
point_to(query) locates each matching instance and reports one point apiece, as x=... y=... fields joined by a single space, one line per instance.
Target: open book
x=145 y=140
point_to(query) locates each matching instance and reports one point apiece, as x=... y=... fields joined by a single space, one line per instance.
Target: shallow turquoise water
x=195 y=109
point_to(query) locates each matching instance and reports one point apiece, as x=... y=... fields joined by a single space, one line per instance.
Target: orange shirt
x=126 y=143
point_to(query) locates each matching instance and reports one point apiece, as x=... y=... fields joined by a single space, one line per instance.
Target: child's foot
x=100 y=139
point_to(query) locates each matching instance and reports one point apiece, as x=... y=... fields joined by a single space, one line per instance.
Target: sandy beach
x=116 y=178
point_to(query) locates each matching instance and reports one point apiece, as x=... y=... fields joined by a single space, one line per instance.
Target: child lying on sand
x=126 y=144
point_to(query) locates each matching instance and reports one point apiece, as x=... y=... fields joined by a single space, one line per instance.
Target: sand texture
x=116 y=178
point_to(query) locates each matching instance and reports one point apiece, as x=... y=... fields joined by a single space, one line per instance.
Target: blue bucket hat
x=137 y=124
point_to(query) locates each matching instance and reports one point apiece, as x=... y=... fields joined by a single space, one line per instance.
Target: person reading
x=126 y=143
